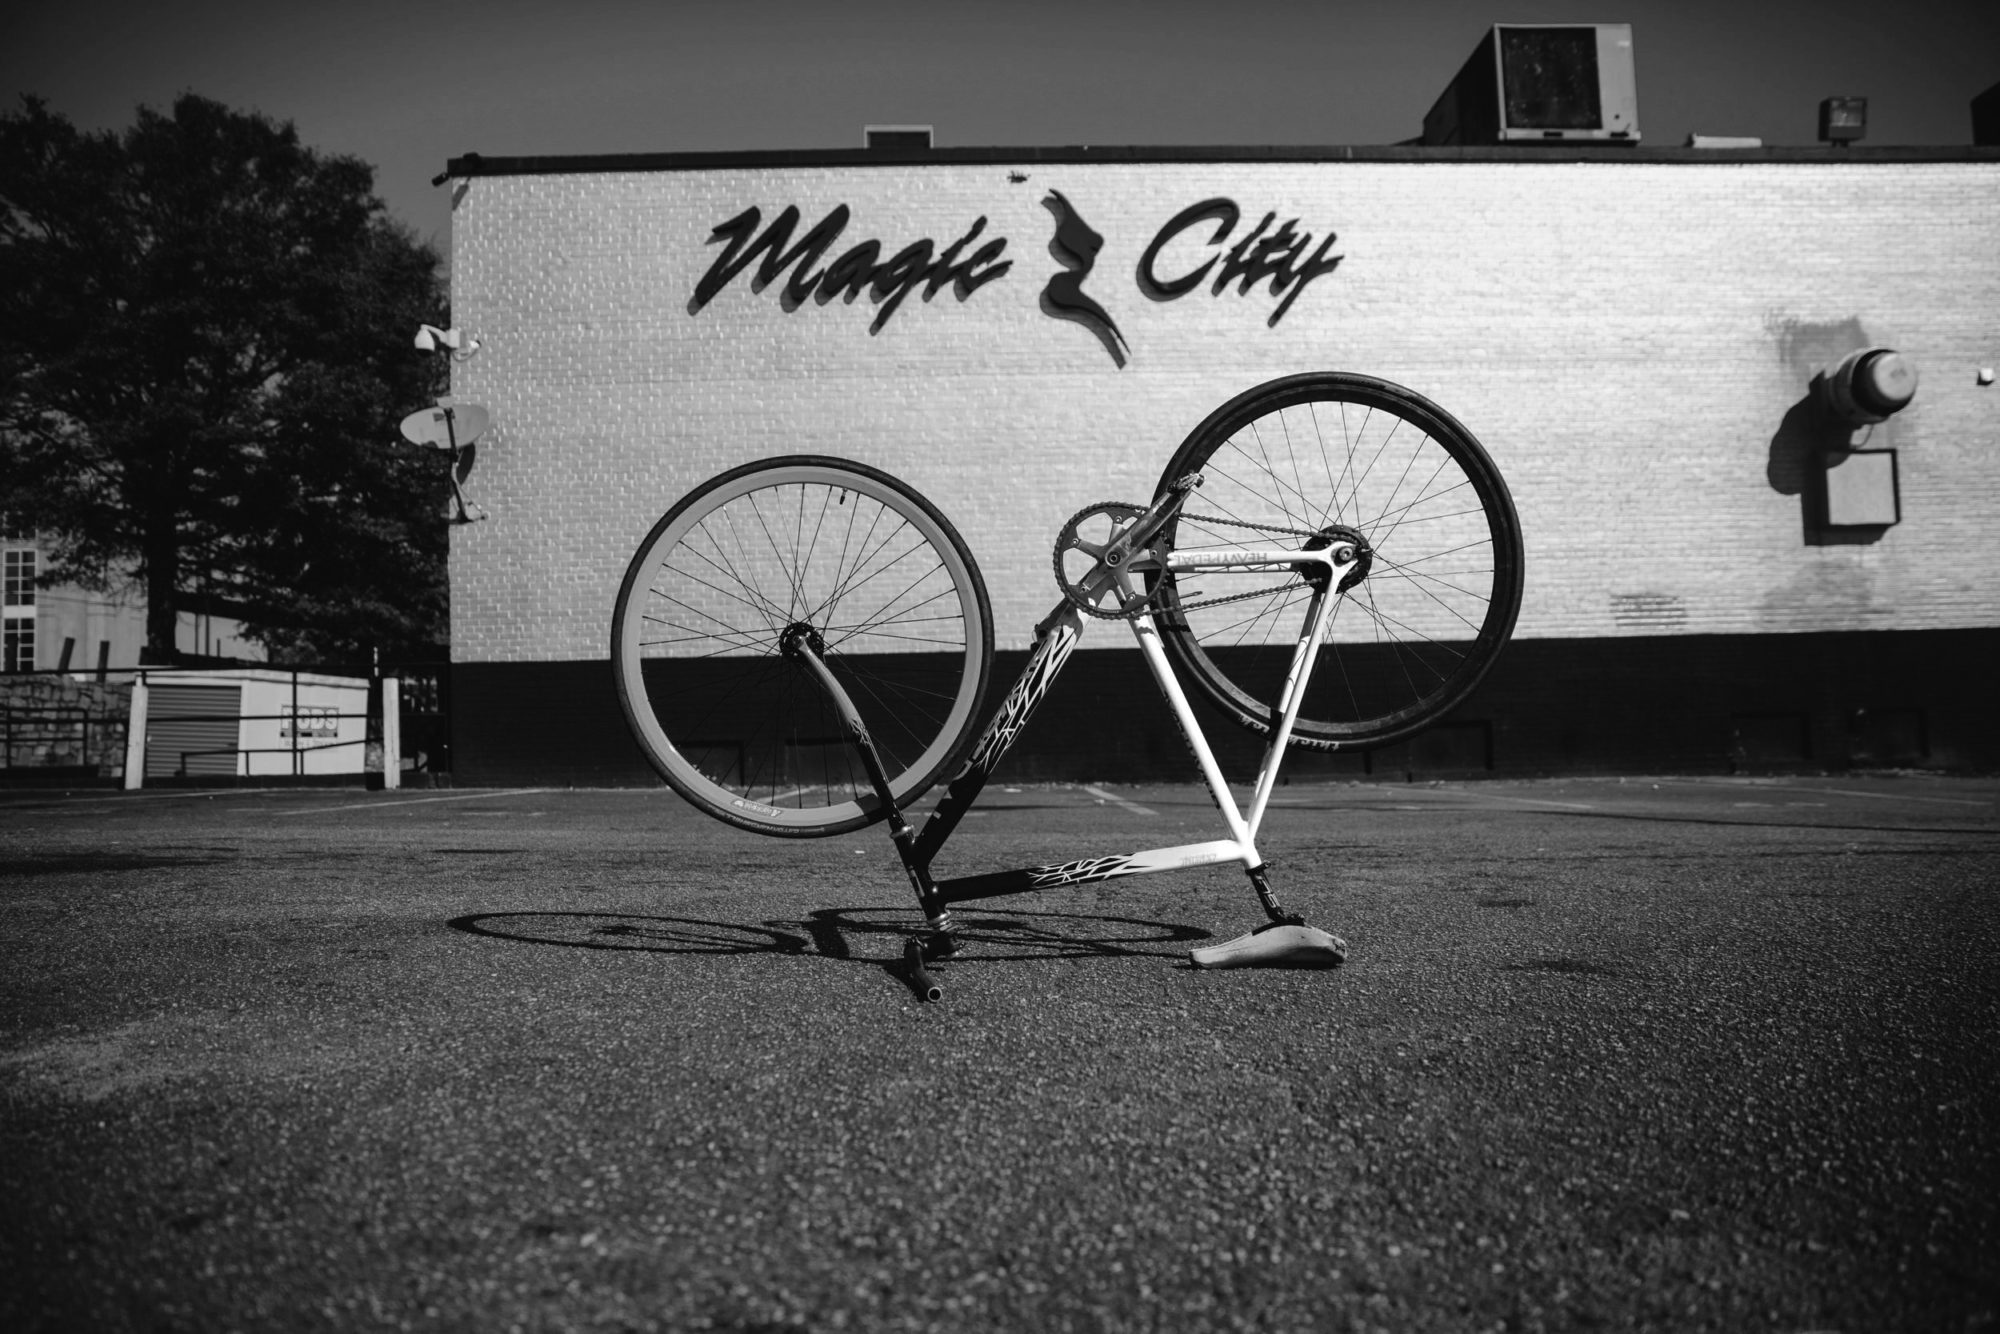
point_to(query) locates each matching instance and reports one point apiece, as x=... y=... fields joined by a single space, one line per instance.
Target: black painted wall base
x=1657 y=704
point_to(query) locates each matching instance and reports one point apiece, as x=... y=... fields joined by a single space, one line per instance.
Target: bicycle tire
x=746 y=733
x=1420 y=629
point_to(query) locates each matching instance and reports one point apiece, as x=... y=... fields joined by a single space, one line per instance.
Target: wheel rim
x=844 y=560
x=1409 y=639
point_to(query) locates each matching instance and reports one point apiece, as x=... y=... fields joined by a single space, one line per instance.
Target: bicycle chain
x=1247 y=523
x=1145 y=604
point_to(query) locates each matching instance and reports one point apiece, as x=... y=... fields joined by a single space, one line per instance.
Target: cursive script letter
x=1225 y=213
x=772 y=246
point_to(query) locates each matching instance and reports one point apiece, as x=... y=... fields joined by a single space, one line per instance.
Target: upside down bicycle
x=801 y=645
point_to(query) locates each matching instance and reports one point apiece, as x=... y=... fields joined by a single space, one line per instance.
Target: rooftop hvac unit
x=1986 y=118
x=1542 y=83
x=896 y=136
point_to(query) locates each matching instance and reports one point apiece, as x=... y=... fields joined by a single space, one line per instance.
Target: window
x=17 y=611
x=17 y=646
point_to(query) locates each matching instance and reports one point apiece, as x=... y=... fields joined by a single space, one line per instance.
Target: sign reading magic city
x=1281 y=256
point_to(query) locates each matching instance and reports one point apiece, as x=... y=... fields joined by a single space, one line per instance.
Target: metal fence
x=425 y=697
x=61 y=726
x=59 y=738
x=58 y=726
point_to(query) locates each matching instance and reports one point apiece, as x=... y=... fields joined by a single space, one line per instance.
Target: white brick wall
x=1625 y=337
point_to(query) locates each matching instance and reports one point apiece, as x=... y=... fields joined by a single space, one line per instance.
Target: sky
x=406 y=86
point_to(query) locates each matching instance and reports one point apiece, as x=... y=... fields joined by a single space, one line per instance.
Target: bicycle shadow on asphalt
x=870 y=936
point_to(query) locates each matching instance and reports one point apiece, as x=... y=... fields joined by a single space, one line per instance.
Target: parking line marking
x=1891 y=796
x=415 y=801
x=1897 y=797
x=1118 y=801
x=1838 y=791
x=28 y=801
x=1496 y=796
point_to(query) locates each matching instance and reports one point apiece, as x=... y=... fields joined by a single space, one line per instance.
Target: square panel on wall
x=1759 y=740
x=1861 y=489
x=1887 y=737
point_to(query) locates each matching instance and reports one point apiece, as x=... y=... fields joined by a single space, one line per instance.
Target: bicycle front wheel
x=1310 y=459
x=864 y=568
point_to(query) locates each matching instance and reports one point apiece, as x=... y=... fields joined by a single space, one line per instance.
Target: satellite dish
x=444 y=427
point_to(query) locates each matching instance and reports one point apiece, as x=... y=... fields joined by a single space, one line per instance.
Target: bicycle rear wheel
x=845 y=554
x=1310 y=457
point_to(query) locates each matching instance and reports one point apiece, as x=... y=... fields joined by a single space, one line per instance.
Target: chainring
x=1087 y=586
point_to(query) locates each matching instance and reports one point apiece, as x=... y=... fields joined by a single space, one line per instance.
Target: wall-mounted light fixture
x=453 y=342
x=1870 y=385
x=1861 y=491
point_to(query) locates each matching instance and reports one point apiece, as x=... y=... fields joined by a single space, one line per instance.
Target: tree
x=204 y=352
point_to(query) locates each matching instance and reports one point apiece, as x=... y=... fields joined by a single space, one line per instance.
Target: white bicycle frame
x=1241 y=845
x=1056 y=637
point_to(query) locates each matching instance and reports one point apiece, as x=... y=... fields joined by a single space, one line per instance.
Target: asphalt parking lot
x=1643 y=1054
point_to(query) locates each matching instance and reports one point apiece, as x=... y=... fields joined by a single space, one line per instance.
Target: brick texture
x=1629 y=339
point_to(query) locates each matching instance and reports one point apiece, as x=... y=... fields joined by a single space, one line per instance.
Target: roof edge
x=476 y=164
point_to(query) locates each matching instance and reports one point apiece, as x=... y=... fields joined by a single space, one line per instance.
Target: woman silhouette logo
x=1075 y=247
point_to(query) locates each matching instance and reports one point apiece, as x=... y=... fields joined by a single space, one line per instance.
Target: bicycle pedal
x=1278 y=945
x=939 y=947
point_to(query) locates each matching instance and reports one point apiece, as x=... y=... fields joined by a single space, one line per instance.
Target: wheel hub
x=1361 y=557
x=801 y=635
